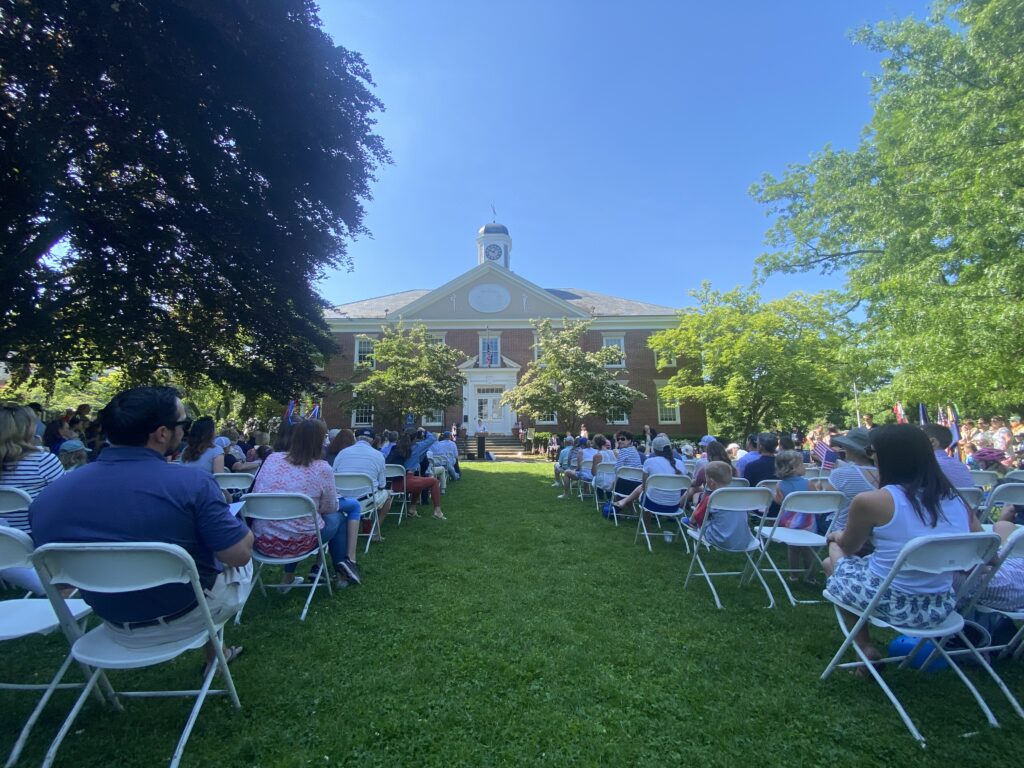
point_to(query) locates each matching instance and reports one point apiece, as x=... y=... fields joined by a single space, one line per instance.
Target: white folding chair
x=363 y=489
x=21 y=618
x=771 y=485
x=128 y=567
x=984 y=478
x=604 y=468
x=1015 y=476
x=14 y=504
x=973 y=497
x=633 y=475
x=234 y=481
x=677 y=485
x=287 y=506
x=397 y=472
x=809 y=503
x=740 y=502
x=941 y=553
x=811 y=473
x=691 y=466
x=1008 y=494
x=739 y=482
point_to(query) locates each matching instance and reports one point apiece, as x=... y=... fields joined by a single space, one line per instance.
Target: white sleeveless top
x=906 y=525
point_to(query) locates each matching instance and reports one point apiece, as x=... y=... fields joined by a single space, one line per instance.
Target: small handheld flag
x=825 y=455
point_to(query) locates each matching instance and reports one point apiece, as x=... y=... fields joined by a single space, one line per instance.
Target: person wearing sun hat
x=856 y=474
x=73 y=454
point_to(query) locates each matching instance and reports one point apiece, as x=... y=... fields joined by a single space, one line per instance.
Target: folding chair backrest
x=740 y=499
x=738 y=482
x=1008 y=493
x=944 y=553
x=690 y=465
x=1015 y=476
x=115 y=566
x=278 y=506
x=629 y=473
x=813 y=502
x=394 y=471
x=1014 y=546
x=352 y=485
x=234 y=481
x=771 y=485
x=812 y=472
x=973 y=496
x=677 y=483
x=605 y=468
x=15 y=548
x=13 y=499
x=984 y=478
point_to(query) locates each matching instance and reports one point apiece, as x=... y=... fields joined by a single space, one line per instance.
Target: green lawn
x=526 y=631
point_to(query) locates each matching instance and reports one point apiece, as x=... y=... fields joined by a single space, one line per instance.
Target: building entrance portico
x=482 y=395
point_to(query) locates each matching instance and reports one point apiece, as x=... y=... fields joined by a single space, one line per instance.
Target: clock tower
x=493 y=244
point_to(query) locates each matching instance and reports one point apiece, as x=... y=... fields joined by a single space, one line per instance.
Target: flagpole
x=856 y=402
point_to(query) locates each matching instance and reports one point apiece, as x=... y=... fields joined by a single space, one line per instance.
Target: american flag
x=825 y=455
x=901 y=415
x=922 y=414
x=954 y=424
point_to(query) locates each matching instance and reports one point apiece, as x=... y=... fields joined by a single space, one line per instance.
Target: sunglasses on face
x=185 y=424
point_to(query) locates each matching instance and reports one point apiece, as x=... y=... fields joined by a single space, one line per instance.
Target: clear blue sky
x=617 y=141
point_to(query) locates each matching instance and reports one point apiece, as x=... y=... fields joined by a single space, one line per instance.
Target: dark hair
x=37 y=407
x=342 y=440
x=403 y=448
x=752 y=441
x=943 y=436
x=263 y=451
x=625 y=434
x=52 y=432
x=599 y=441
x=131 y=416
x=283 y=438
x=307 y=442
x=905 y=458
x=767 y=441
x=200 y=437
x=786 y=443
x=667 y=453
x=716 y=452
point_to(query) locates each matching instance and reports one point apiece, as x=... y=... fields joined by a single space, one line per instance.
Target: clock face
x=493 y=252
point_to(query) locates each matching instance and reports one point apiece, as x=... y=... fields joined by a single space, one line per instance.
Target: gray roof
x=598 y=304
x=493 y=228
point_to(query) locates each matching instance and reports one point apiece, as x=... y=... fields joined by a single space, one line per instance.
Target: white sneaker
x=668 y=536
x=555 y=484
x=561 y=496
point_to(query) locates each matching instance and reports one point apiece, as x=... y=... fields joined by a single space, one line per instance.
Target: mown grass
x=526 y=631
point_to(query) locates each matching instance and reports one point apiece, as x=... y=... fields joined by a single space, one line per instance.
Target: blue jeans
x=335 y=532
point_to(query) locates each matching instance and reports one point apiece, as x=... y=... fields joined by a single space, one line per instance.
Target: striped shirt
x=628 y=457
x=31 y=473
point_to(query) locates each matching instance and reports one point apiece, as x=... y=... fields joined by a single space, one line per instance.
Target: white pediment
x=489 y=292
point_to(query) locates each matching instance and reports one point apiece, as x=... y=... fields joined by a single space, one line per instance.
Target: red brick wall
x=516 y=344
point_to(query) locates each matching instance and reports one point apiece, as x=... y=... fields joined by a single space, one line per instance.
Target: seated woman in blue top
x=409 y=451
x=915 y=499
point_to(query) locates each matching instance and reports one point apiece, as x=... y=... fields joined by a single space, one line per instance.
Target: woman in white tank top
x=915 y=499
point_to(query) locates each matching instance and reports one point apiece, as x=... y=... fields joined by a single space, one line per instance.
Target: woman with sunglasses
x=914 y=499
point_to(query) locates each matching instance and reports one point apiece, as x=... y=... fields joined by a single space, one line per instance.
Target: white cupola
x=493 y=244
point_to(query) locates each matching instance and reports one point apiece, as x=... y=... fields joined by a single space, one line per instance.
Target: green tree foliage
x=758 y=364
x=174 y=177
x=926 y=216
x=569 y=381
x=413 y=373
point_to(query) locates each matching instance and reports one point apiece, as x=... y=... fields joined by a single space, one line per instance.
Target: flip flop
x=411 y=513
x=440 y=517
x=232 y=653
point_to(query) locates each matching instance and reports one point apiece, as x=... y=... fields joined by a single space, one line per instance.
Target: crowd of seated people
x=898 y=481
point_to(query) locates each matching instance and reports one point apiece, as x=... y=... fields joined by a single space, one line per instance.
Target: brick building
x=486 y=314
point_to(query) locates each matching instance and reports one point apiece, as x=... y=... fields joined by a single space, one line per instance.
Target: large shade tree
x=926 y=215
x=758 y=364
x=568 y=380
x=174 y=177
x=412 y=372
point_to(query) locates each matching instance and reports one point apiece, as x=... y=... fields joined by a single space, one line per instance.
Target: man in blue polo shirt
x=131 y=493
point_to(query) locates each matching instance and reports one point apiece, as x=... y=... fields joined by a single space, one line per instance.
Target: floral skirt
x=853 y=584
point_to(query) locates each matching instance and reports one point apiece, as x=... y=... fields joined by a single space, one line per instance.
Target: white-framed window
x=436 y=337
x=668 y=410
x=618 y=341
x=664 y=359
x=364 y=353
x=617 y=418
x=490 y=351
x=434 y=418
x=548 y=418
x=362 y=416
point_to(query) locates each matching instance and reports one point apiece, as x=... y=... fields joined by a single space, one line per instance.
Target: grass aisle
x=528 y=631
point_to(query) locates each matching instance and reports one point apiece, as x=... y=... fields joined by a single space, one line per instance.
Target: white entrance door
x=489 y=409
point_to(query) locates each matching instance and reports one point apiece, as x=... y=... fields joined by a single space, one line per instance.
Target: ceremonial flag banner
x=901 y=415
x=922 y=413
x=825 y=455
x=954 y=424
